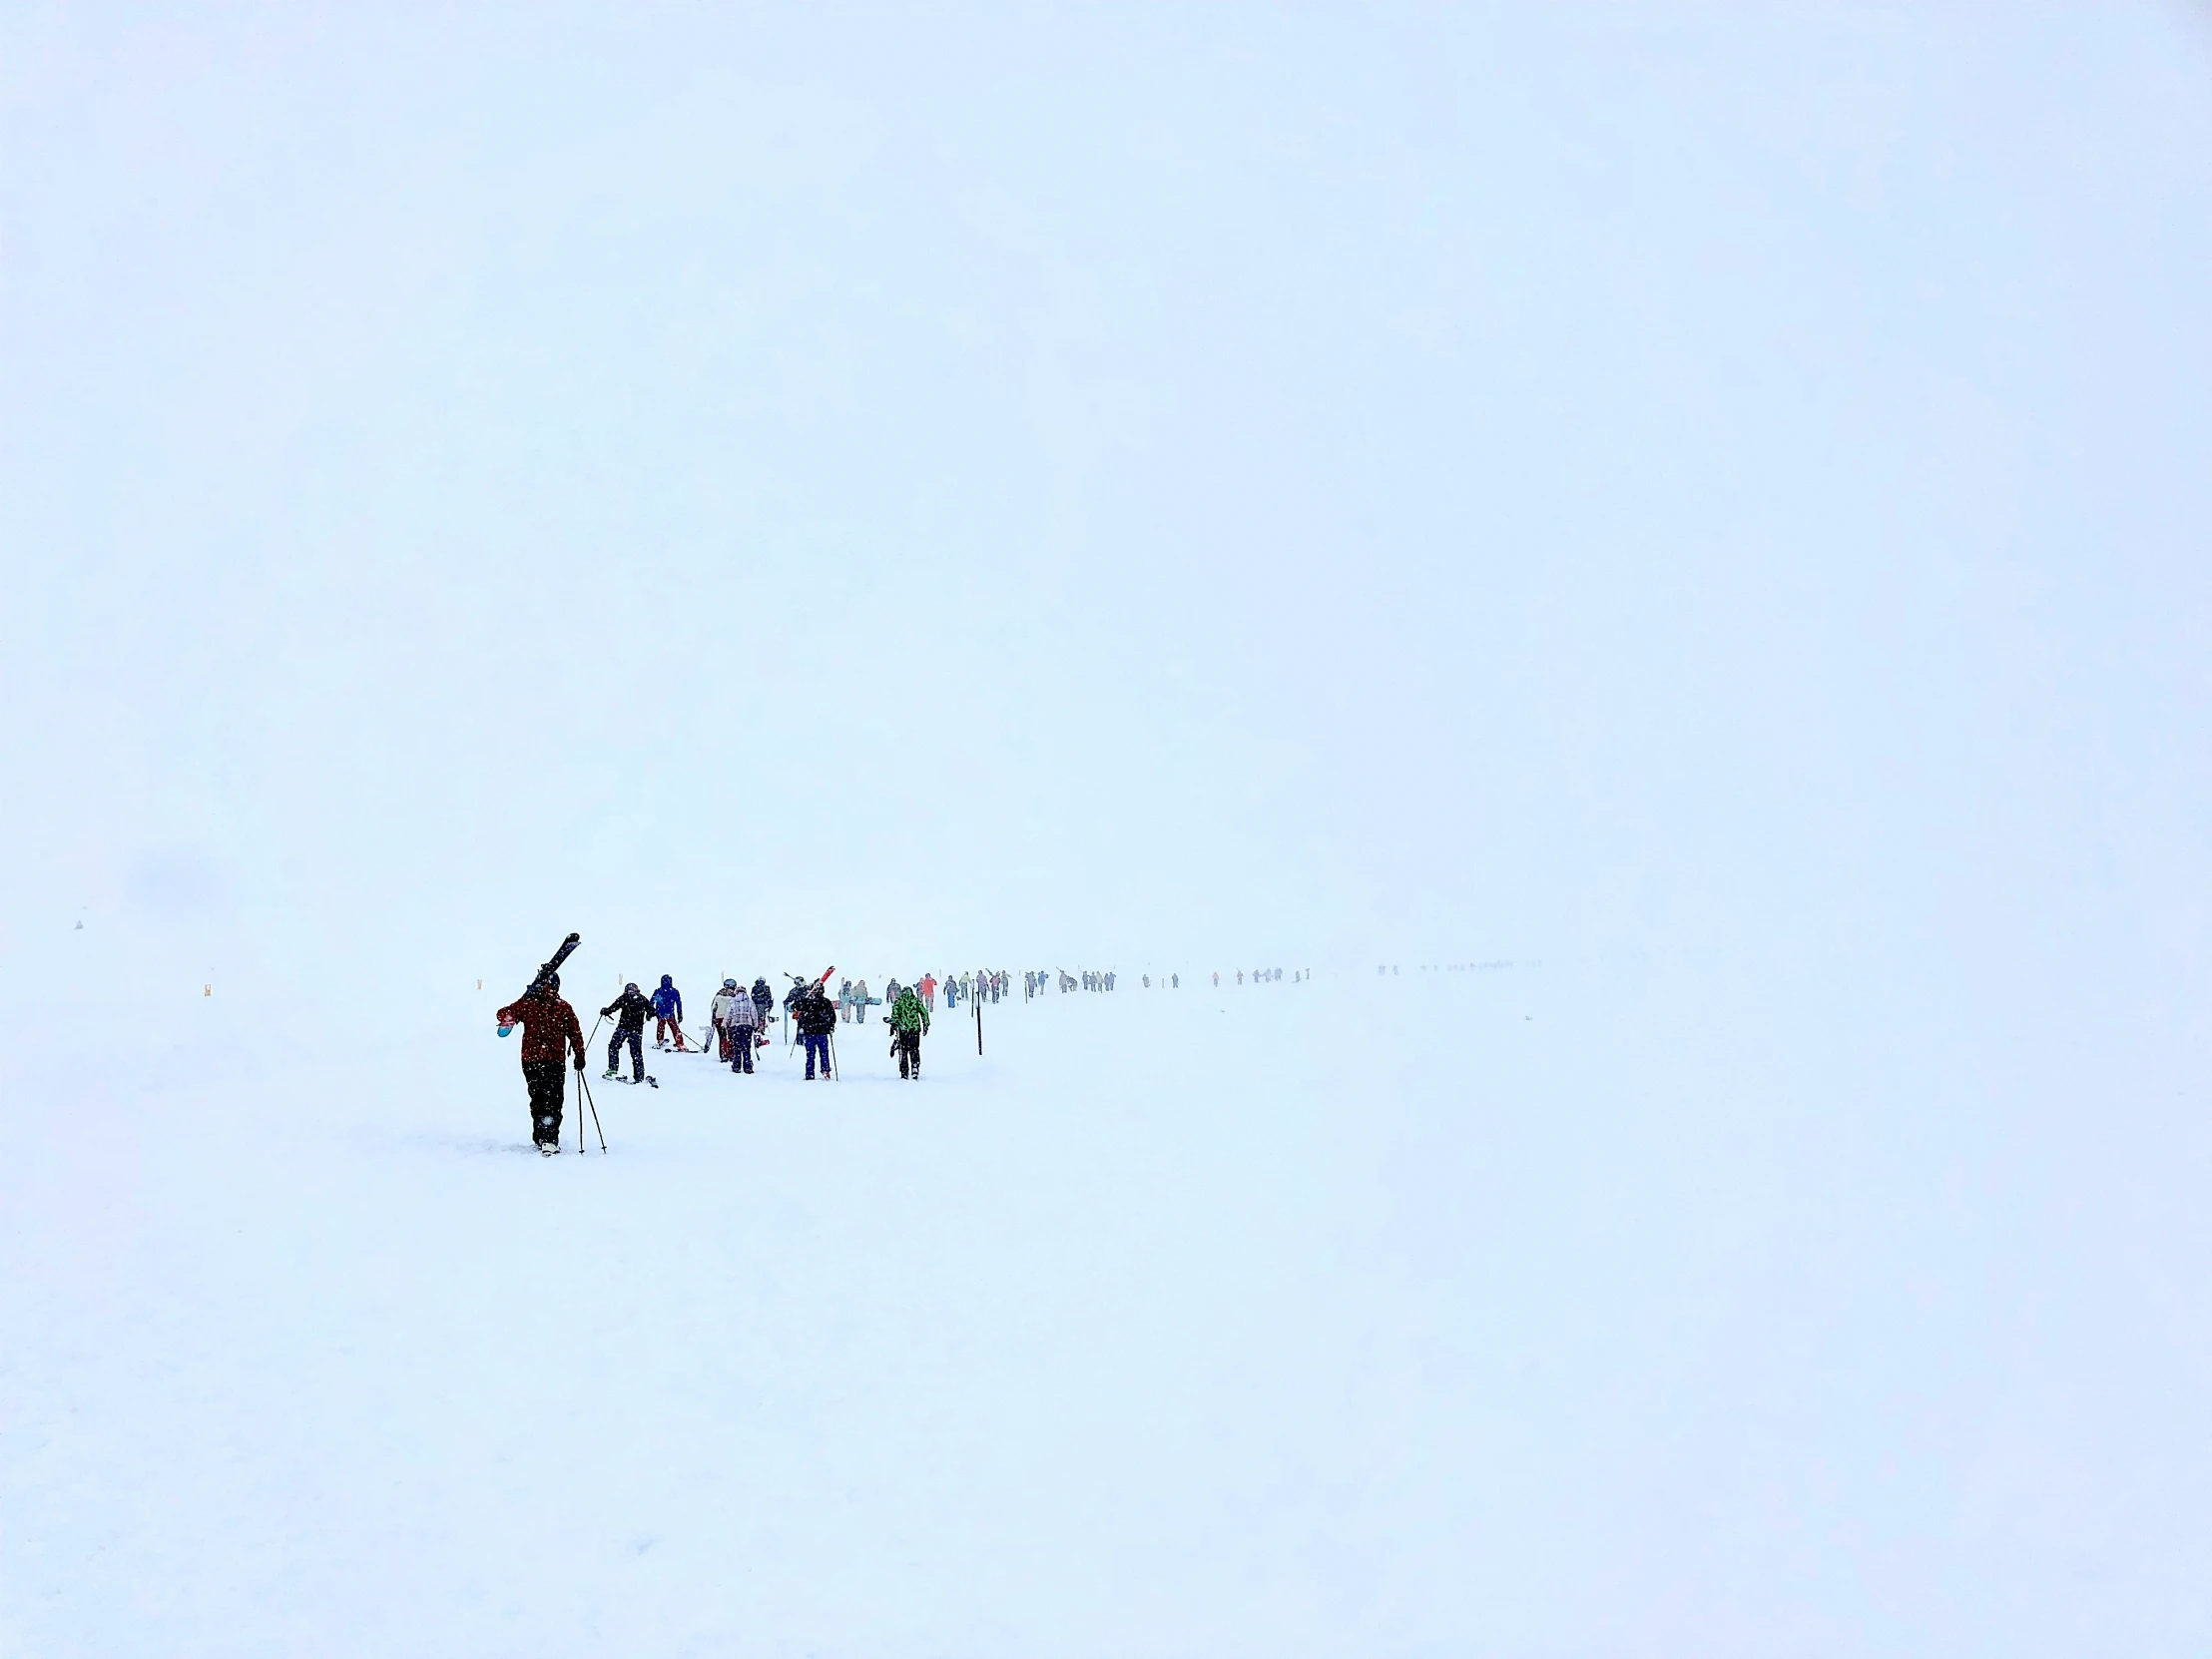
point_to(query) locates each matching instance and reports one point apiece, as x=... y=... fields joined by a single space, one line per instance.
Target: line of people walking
x=740 y=1020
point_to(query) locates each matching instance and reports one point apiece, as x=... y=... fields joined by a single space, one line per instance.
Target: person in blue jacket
x=667 y=1014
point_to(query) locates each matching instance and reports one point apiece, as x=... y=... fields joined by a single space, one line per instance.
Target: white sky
x=1171 y=483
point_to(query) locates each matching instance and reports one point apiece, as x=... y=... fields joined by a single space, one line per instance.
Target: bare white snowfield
x=1709 y=509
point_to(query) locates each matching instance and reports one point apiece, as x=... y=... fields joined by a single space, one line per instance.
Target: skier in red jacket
x=549 y=1032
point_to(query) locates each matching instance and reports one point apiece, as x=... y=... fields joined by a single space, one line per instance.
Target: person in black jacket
x=631 y=1007
x=764 y=1006
x=816 y=1017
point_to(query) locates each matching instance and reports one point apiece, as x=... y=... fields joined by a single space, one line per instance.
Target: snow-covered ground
x=1618 y=1308
x=1715 y=502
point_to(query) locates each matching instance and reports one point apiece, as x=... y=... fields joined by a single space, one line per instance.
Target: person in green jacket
x=909 y=1020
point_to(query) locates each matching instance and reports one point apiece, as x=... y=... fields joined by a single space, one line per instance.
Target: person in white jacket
x=743 y=1014
x=726 y=999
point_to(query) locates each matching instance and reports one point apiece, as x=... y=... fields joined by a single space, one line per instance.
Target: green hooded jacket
x=908 y=1014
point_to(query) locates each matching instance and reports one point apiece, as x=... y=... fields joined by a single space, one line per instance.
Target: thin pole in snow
x=593 y=1105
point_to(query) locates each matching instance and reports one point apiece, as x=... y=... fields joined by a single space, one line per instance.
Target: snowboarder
x=549 y=1032
x=631 y=1007
x=908 y=1019
x=860 y=1002
x=816 y=1018
x=844 y=1001
x=668 y=1014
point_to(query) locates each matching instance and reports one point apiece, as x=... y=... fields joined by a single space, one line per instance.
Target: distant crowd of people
x=739 y=1018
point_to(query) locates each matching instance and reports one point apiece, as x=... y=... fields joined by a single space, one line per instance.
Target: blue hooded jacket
x=668 y=1001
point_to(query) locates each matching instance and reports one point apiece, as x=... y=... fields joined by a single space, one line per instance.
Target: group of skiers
x=982 y=985
x=739 y=1021
x=628 y=1011
x=553 y=1037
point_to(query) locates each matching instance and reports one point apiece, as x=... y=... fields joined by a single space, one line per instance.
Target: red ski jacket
x=548 y=1028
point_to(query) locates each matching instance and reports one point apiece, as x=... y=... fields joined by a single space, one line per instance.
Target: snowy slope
x=1553 y=1311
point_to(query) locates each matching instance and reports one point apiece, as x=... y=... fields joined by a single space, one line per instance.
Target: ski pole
x=834 y=1057
x=593 y=1105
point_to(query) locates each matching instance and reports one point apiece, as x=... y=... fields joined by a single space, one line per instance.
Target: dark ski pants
x=634 y=1035
x=740 y=1049
x=816 y=1046
x=546 y=1087
x=909 y=1054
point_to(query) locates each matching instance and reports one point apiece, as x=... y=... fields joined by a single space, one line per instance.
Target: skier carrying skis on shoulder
x=549 y=1032
x=909 y=1020
x=763 y=1004
x=668 y=1014
x=631 y=1006
x=816 y=1017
